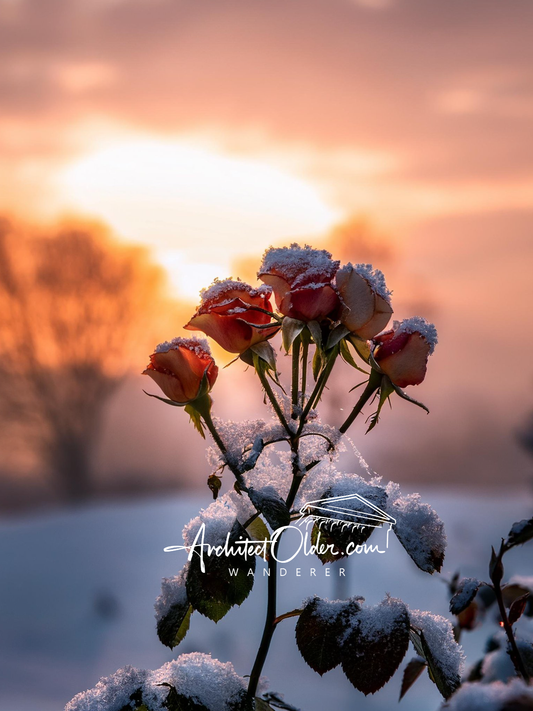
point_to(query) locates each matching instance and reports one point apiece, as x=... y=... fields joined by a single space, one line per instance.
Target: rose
x=301 y=280
x=184 y=369
x=229 y=315
x=366 y=308
x=402 y=353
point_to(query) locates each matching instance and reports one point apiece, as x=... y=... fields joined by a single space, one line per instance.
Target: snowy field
x=77 y=593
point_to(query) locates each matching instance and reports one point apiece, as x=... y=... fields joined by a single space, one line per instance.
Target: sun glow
x=197 y=207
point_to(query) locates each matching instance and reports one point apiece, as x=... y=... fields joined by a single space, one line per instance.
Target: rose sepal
x=290 y=330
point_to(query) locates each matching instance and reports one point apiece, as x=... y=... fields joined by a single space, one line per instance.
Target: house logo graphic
x=348 y=511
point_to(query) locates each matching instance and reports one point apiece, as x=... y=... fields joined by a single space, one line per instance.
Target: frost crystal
x=295 y=263
x=375 y=278
x=112 y=693
x=173 y=592
x=438 y=634
x=198 y=677
x=198 y=345
x=418 y=528
x=491 y=697
x=219 y=289
x=417 y=324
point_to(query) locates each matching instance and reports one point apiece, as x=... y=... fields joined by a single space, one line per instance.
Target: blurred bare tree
x=77 y=311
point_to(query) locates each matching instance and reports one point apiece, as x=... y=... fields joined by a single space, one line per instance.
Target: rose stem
x=305 y=350
x=295 y=374
x=270 y=619
x=268 y=390
x=371 y=387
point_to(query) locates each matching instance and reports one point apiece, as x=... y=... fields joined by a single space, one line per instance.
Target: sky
x=209 y=129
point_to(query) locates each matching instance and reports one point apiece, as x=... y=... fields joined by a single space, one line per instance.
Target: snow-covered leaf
x=227 y=580
x=173 y=610
x=433 y=639
x=521 y=532
x=319 y=629
x=376 y=644
x=418 y=528
x=466 y=592
x=271 y=505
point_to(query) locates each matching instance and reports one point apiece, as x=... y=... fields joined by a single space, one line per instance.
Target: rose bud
x=402 y=353
x=301 y=280
x=179 y=368
x=365 y=298
x=228 y=316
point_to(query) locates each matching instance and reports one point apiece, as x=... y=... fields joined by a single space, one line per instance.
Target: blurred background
x=149 y=146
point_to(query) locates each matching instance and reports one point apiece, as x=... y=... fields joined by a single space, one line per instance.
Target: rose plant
x=325 y=313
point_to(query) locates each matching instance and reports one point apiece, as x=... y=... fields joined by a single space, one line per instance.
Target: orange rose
x=227 y=315
x=179 y=367
x=301 y=280
x=366 y=308
x=402 y=353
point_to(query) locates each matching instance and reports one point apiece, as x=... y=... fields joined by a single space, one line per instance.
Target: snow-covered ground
x=77 y=592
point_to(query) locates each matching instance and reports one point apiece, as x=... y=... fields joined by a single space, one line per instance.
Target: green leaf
x=444 y=684
x=375 y=647
x=172 y=628
x=517 y=608
x=166 y=400
x=348 y=358
x=411 y=673
x=257 y=530
x=272 y=506
x=319 y=630
x=317 y=364
x=385 y=391
x=261 y=705
x=265 y=351
x=361 y=346
x=227 y=580
x=407 y=397
x=290 y=330
x=196 y=419
x=336 y=335
x=316 y=333
x=521 y=532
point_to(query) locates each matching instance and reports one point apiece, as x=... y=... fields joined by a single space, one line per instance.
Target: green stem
x=270 y=394
x=305 y=350
x=295 y=374
x=317 y=391
x=373 y=384
x=270 y=625
x=515 y=653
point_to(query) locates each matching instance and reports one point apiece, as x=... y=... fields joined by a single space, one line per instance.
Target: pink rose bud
x=402 y=353
x=301 y=278
x=366 y=308
x=179 y=367
x=228 y=316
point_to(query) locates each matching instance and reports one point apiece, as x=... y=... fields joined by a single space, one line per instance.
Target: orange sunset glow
x=208 y=131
